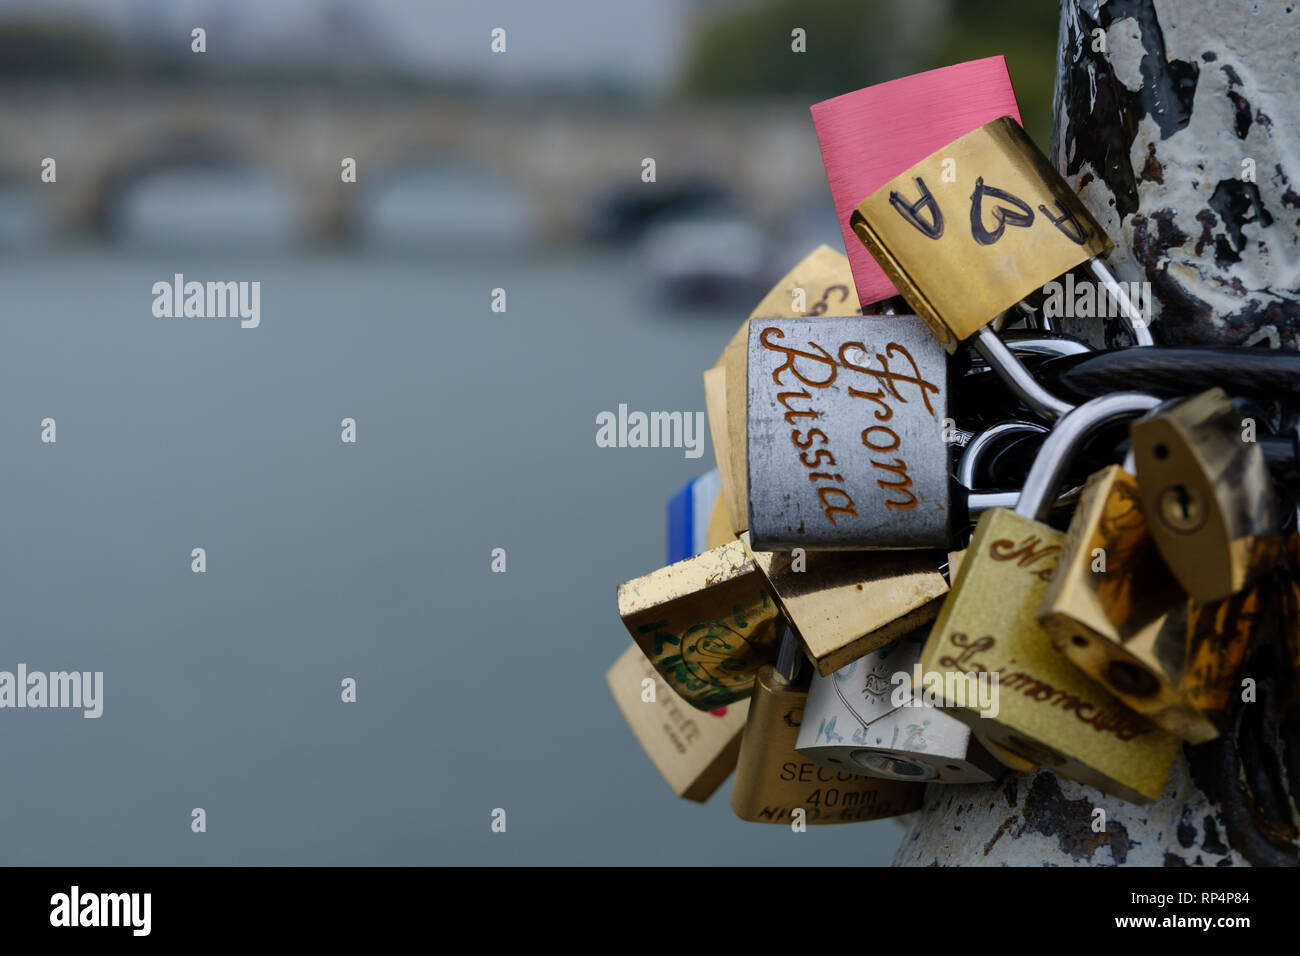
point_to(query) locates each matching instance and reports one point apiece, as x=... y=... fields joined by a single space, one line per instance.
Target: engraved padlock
x=846 y=434
x=707 y=624
x=969 y=231
x=1206 y=492
x=693 y=751
x=1115 y=610
x=1048 y=712
x=844 y=604
x=864 y=718
x=820 y=283
x=775 y=784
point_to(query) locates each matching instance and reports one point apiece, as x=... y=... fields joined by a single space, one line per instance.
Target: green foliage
x=44 y=49
x=1024 y=31
x=744 y=49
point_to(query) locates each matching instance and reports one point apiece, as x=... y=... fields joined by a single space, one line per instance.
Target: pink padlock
x=870 y=136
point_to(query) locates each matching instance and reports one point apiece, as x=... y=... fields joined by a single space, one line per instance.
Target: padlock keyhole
x=1182 y=509
x=1130 y=679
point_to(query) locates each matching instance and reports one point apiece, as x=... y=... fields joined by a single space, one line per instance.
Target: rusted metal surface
x=1154 y=128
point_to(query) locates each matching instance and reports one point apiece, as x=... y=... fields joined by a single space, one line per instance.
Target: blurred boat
x=706 y=259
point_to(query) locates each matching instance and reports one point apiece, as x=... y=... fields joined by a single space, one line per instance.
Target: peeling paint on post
x=1176 y=124
x=1153 y=128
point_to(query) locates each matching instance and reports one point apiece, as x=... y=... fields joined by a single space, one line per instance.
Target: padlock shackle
x=1018 y=379
x=1065 y=438
x=787 y=657
x=968 y=463
x=1137 y=325
x=1043 y=342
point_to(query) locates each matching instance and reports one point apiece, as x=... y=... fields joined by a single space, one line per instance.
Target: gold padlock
x=773 y=782
x=820 y=283
x=1289 y=616
x=1207 y=495
x=694 y=752
x=1117 y=613
x=707 y=624
x=845 y=604
x=1005 y=756
x=1047 y=711
x=719 y=530
x=973 y=228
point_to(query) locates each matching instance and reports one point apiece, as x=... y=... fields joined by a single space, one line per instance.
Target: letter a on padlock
x=1005 y=228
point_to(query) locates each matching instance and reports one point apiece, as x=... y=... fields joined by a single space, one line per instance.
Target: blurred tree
x=50 y=49
x=1025 y=32
x=743 y=48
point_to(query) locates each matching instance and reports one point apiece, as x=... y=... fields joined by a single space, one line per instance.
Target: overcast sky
x=634 y=40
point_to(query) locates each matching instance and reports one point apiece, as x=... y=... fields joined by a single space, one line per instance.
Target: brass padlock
x=842 y=605
x=970 y=230
x=1114 y=609
x=707 y=624
x=773 y=782
x=719 y=530
x=1049 y=712
x=1289 y=616
x=693 y=751
x=1207 y=495
x=821 y=282
x=864 y=719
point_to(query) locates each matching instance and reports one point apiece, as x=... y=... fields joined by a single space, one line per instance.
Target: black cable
x=1176 y=371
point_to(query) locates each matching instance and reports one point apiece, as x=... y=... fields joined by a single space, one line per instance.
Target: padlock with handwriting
x=1049 y=712
x=694 y=751
x=846 y=434
x=707 y=624
x=844 y=604
x=775 y=784
x=820 y=283
x=864 y=718
x=1206 y=492
x=1114 y=609
x=972 y=229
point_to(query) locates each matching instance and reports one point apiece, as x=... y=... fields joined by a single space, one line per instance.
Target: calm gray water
x=222 y=690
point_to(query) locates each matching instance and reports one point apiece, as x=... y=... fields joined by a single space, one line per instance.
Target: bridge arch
x=441 y=194
x=206 y=181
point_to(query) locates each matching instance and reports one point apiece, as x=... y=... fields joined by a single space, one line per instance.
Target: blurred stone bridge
x=558 y=156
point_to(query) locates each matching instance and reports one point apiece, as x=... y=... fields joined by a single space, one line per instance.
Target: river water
x=326 y=560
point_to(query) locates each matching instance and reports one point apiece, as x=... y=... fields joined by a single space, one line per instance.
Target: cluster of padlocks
x=832 y=627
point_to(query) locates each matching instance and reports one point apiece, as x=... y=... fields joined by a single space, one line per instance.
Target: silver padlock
x=846 y=423
x=865 y=719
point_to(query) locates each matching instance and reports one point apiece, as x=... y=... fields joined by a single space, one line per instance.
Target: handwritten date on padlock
x=845 y=443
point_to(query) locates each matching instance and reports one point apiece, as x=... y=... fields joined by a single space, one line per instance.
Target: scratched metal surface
x=1152 y=133
x=877 y=476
